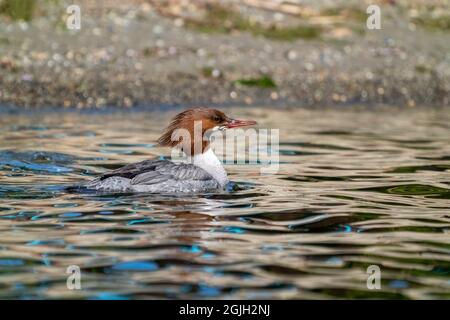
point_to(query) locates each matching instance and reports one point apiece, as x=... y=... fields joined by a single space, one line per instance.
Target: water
x=354 y=189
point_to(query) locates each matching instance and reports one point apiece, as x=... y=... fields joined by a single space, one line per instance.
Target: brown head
x=204 y=118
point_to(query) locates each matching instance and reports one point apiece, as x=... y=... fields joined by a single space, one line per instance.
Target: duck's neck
x=209 y=162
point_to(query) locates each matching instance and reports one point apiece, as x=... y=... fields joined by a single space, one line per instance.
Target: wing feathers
x=157 y=171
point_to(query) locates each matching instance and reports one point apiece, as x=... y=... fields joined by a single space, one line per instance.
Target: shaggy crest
x=210 y=118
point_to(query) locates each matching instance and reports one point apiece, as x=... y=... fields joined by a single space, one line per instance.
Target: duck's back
x=155 y=176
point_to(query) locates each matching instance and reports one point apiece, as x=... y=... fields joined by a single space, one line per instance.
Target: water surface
x=354 y=189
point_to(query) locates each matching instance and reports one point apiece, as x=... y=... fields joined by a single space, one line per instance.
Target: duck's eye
x=217 y=119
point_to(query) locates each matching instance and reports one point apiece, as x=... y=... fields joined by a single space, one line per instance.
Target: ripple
x=414 y=169
x=315 y=146
x=410 y=189
x=36 y=161
x=349 y=194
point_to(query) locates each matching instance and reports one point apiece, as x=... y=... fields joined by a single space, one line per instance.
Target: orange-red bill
x=236 y=123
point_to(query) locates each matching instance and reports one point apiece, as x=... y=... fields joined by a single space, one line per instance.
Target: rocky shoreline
x=138 y=55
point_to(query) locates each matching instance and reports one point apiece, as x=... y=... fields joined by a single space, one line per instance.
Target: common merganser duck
x=201 y=172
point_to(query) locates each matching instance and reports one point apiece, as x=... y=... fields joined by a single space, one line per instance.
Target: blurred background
x=153 y=52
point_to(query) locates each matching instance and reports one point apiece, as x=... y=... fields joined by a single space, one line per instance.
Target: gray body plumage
x=156 y=176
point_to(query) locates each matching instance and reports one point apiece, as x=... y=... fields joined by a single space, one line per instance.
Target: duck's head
x=202 y=119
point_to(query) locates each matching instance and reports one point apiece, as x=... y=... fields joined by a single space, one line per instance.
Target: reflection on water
x=353 y=189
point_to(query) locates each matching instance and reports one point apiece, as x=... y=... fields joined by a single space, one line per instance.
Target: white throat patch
x=209 y=162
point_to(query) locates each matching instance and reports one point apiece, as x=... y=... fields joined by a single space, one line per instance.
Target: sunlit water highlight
x=354 y=189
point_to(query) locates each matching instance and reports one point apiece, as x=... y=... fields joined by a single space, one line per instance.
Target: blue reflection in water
x=272 y=247
x=136 y=266
x=398 y=284
x=347 y=228
x=208 y=255
x=109 y=296
x=37 y=166
x=11 y=262
x=186 y=288
x=208 y=291
x=45 y=242
x=106 y=212
x=70 y=214
x=334 y=261
x=230 y=230
x=138 y=221
x=192 y=249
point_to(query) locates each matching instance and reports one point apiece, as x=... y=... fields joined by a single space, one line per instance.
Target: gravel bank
x=144 y=54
